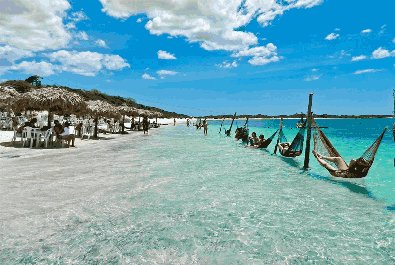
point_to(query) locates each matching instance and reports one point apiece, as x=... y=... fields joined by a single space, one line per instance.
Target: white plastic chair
x=27 y=136
x=86 y=131
x=16 y=135
x=47 y=137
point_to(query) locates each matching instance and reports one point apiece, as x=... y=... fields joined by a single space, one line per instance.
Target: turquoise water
x=178 y=197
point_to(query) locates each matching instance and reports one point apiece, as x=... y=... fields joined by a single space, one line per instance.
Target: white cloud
x=381 y=53
x=74 y=18
x=34 y=25
x=332 y=36
x=86 y=63
x=139 y=20
x=101 y=43
x=366 y=71
x=358 y=58
x=12 y=54
x=147 y=77
x=78 y=16
x=216 y=25
x=163 y=73
x=82 y=35
x=228 y=65
x=312 y=78
x=261 y=55
x=383 y=28
x=366 y=31
x=35 y=68
x=164 y=55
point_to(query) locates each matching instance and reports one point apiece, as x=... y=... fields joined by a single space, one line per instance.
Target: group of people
x=199 y=125
x=257 y=142
x=145 y=124
x=62 y=132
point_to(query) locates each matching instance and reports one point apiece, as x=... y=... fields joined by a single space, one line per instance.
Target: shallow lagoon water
x=178 y=197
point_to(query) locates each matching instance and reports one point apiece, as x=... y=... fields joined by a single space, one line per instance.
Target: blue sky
x=203 y=57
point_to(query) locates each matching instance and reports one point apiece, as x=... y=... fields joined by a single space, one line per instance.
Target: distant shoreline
x=217 y=117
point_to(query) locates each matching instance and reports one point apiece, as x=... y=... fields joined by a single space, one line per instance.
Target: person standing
x=145 y=124
x=174 y=121
x=205 y=126
x=187 y=122
x=132 y=124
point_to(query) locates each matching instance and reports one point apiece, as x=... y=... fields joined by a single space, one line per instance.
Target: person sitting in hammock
x=285 y=150
x=262 y=142
x=254 y=139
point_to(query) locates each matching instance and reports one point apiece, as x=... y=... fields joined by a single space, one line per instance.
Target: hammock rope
x=358 y=168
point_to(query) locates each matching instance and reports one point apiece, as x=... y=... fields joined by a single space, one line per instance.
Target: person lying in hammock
x=285 y=150
x=338 y=161
x=356 y=169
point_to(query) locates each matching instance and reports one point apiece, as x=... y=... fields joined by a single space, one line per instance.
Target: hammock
x=358 y=168
x=296 y=147
x=242 y=132
x=227 y=132
x=268 y=141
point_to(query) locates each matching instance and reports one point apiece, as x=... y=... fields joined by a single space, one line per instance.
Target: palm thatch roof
x=128 y=110
x=8 y=96
x=102 y=108
x=52 y=99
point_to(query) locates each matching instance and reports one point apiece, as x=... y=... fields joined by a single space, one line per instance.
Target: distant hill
x=23 y=86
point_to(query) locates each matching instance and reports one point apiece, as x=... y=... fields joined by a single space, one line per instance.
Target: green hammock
x=296 y=147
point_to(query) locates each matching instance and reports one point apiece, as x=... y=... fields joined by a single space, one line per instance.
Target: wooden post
x=123 y=124
x=307 y=150
x=278 y=138
x=49 y=119
x=95 y=131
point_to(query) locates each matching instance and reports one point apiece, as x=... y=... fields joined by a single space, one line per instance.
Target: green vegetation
x=24 y=86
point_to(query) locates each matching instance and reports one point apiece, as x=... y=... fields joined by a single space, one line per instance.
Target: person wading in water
x=205 y=126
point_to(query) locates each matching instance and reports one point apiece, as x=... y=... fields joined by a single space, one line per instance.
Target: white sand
x=7 y=151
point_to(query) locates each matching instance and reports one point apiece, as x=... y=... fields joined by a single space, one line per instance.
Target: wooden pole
x=123 y=124
x=307 y=150
x=95 y=131
x=278 y=138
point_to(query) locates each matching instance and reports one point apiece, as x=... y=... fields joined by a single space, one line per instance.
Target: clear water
x=178 y=197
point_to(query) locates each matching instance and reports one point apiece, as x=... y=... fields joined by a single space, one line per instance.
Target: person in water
x=174 y=121
x=187 y=122
x=254 y=139
x=205 y=126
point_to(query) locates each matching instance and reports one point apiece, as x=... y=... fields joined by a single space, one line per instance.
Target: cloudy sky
x=209 y=56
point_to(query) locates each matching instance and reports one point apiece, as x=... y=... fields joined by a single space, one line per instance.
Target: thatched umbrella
x=100 y=108
x=126 y=110
x=53 y=99
x=8 y=96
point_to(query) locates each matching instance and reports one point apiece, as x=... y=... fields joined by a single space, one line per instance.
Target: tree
x=35 y=80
